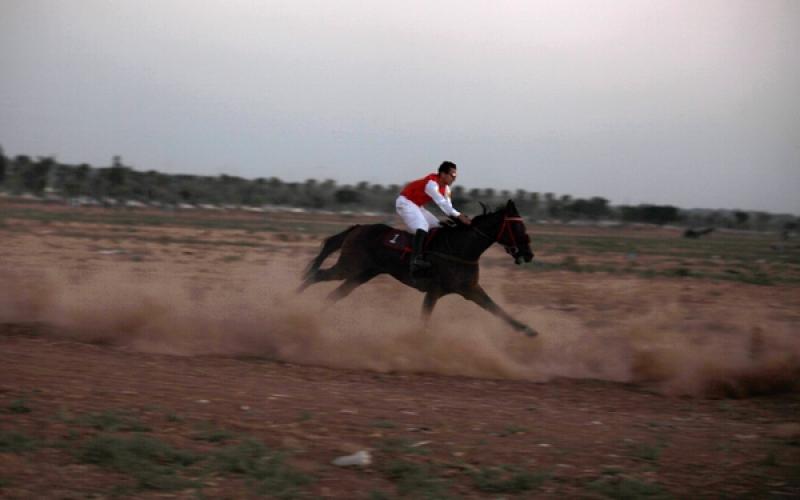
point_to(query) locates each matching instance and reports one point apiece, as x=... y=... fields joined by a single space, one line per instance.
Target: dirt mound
x=263 y=317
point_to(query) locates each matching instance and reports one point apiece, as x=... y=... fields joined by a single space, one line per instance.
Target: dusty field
x=159 y=356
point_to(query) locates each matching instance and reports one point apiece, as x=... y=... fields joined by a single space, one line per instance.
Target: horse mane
x=500 y=209
x=455 y=225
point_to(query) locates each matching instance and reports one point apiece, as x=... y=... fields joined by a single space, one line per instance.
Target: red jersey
x=415 y=190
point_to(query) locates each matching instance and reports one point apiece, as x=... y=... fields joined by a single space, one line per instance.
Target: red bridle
x=506 y=226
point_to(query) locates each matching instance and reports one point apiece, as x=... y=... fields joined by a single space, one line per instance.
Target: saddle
x=400 y=241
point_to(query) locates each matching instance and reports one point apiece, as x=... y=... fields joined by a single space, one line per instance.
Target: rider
x=409 y=205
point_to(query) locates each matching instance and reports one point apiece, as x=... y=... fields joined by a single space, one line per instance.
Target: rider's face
x=449 y=177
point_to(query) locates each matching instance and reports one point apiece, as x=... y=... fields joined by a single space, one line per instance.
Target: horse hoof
x=530 y=332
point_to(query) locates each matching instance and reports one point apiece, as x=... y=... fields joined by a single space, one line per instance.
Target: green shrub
x=416 y=480
x=154 y=464
x=265 y=470
x=507 y=480
x=15 y=442
x=624 y=488
x=111 y=421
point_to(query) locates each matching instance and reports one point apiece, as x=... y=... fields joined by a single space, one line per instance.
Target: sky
x=690 y=103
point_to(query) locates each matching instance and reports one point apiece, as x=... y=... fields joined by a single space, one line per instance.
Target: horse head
x=514 y=236
x=505 y=226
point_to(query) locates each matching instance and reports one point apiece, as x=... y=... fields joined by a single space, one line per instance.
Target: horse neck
x=471 y=244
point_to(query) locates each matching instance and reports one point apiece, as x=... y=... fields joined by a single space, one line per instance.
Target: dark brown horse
x=453 y=252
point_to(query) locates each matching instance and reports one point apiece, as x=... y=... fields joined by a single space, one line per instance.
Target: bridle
x=511 y=246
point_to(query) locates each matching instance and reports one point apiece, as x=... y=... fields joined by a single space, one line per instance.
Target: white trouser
x=415 y=216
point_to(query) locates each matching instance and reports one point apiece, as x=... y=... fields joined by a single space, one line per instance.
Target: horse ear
x=484 y=207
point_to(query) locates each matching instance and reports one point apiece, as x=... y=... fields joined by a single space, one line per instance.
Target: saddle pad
x=401 y=241
x=397 y=240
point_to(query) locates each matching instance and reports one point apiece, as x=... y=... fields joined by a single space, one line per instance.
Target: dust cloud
x=378 y=328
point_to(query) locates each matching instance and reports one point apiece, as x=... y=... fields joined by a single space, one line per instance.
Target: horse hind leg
x=331 y=274
x=351 y=284
x=314 y=274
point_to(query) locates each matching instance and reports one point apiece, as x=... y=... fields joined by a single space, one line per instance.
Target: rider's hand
x=464 y=219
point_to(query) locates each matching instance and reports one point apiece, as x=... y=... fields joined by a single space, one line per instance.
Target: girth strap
x=452 y=258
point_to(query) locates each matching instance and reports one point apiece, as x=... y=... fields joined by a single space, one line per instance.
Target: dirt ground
x=193 y=337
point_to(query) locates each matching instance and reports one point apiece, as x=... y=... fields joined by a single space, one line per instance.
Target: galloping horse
x=453 y=252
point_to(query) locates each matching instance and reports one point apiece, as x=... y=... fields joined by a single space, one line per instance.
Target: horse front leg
x=479 y=296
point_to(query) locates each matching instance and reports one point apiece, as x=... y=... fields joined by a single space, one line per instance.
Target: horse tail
x=329 y=246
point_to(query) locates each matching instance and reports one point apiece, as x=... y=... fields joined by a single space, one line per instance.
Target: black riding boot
x=417 y=262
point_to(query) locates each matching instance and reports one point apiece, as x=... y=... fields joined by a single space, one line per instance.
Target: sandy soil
x=635 y=387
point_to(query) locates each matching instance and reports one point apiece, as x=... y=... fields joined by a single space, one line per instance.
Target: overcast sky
x=692 y=103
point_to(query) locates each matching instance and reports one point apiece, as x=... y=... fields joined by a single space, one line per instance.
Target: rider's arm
x=432 y=190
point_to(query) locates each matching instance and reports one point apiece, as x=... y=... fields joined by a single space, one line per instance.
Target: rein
x=504 y=227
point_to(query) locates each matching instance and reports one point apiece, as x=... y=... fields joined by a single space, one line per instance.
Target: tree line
x=122 y=185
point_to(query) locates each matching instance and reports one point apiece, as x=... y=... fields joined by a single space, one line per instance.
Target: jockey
x=409 y=205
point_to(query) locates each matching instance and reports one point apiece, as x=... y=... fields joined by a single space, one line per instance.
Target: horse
x=452 y=250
